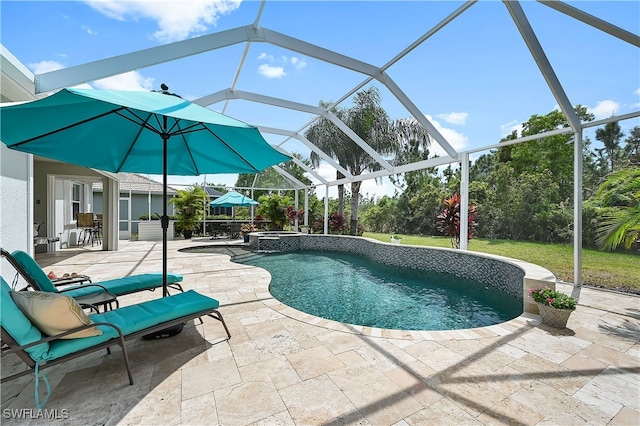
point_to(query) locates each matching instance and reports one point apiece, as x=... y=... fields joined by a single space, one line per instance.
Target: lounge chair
x=38 y=280
x=39 y=351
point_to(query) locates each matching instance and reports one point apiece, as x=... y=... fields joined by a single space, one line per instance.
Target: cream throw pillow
x=54 y=313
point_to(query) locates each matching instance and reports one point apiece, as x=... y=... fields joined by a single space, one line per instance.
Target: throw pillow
x=54 y=313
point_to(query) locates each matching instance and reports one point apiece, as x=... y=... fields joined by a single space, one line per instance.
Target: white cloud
x=271 y=71
x=177 y=20
x=637 y=92
x=370 y=187
x=507 y=128
x=88 y=30
x=45 y=66
x=128 y=81
x=298 y=63
x=458 y=118
x=456 y=139
x=604 y=109
x=265 y=56
x=278 y=71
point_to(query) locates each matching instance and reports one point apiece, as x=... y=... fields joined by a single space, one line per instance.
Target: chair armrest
x=79 y=279
x=61 y=335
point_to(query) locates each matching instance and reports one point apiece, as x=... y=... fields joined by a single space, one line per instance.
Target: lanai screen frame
x=252 y=33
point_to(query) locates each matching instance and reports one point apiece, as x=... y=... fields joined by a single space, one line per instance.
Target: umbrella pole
x=165 y=218
x=175 y=329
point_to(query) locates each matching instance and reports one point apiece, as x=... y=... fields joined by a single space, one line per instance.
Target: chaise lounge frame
x=11 y=346
x=32 y=281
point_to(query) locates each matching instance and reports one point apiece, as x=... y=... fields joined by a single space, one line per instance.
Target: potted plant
x=246 y=229
x=396 y=239
x=189 y=205
x=554 y=306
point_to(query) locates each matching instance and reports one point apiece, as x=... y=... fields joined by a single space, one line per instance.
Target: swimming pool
x=511 y=276
x=351 y=289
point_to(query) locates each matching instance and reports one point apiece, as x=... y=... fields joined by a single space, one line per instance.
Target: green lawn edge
x=611 y=270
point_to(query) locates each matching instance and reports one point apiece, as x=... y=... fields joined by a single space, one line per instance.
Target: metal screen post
x=577 y=208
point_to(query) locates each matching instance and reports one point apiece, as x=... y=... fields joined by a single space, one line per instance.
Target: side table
x=94 y=301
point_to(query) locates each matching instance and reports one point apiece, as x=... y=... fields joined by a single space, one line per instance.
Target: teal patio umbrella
x=233 y=199
x=138 y=132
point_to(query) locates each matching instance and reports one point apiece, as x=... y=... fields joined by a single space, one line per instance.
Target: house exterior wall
x=16 y=219
x=139 y=206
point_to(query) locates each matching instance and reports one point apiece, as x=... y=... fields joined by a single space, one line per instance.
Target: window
x=76 y=199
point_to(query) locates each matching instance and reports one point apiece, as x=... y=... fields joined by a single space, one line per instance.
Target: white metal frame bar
x=529 y=36
x=593 y=21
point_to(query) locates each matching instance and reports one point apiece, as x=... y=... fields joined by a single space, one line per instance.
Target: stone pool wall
x=511 y=276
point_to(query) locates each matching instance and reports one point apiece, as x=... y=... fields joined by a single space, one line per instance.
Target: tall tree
x=610 y=137
x=328 y=138
x=371 y=123
x=553 y=153
x=632 y=147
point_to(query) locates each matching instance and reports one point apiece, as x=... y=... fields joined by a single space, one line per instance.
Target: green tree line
x=522 y=191
x=525 y=191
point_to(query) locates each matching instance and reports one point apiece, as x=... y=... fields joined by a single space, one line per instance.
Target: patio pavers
x=284 y=367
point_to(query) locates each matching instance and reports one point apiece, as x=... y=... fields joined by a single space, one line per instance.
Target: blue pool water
x=351 y=289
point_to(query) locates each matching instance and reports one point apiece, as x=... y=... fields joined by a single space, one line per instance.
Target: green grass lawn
x=617 y=271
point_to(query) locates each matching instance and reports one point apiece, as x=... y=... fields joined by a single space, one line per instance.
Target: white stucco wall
x=15 y=195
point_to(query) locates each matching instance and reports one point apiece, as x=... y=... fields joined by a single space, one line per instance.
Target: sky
x=474 y=79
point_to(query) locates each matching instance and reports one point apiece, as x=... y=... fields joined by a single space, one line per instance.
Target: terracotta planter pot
x=554 y=317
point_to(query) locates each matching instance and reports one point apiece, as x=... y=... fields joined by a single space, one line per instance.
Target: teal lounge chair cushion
x=117 y=286
x=34 y=270
x=125 y=285
x=18 y=325
x=137 y=317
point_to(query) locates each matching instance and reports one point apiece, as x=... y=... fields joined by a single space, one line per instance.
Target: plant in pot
x=554 y=306
x=396 y=239
x=189 y=204
x=246 y=229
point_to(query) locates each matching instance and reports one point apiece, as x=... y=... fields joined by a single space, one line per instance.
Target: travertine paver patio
x=284 y=367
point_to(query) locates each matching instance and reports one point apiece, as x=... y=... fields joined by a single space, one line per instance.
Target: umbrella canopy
x=233 y=199
x=141 y=132
x=120 y=131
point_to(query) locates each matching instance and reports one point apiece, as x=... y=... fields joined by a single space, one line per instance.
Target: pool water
x=351 y=289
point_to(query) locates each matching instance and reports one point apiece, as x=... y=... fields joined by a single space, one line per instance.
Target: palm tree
x=370 y=122
x=621 y=222
x=328 y=138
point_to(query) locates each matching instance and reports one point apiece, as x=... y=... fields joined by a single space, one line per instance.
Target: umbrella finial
x=165 y=90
